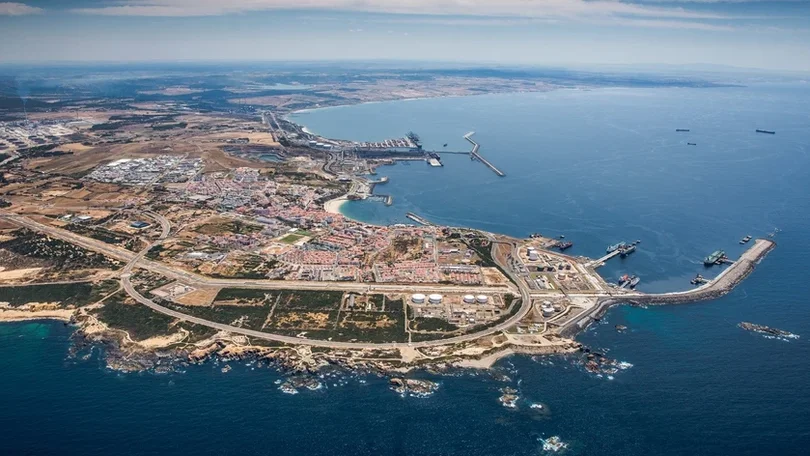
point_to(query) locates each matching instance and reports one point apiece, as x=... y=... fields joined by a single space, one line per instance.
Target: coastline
x=286 y=116
x=333 y=206
x=11 y=316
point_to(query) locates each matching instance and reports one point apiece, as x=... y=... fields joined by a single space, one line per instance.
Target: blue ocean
x=598 y=166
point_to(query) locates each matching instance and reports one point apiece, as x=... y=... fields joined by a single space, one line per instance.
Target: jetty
x=601 y=261
x=418 y=219
x=476 y=156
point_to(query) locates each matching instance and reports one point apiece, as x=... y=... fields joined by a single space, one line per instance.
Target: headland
x=226 y=240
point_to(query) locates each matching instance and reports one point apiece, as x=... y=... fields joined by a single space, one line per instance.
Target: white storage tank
x=547 y=310
x=482 y=299
x=533 y=255
x=435 y=299
x=469 y=299
x=418 y=298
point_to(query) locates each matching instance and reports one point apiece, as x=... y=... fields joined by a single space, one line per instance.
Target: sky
x=765 y=34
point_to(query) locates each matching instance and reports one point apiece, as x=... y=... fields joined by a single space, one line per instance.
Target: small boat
x=627 y=250
x=634 y=281
x=745 y=239
x=691 y=144
x=768 y=132
x=553 y=444
x=624 y=280
x=614 y=247
x=445 y=145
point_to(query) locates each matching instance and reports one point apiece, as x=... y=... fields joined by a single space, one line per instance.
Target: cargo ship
x=562 y=245
x=715 y=258
x=627 y=250
x=769 y=132
x=614 y=247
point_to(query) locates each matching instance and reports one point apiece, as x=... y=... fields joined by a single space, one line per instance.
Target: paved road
x=165 y=226
x=524 y=309
x=137 y=260
x=265 y=284
x=133 y=260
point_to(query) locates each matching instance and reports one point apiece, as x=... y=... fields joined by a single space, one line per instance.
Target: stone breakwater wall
x=718 y=287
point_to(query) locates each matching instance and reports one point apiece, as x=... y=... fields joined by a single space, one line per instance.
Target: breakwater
x=715 y=288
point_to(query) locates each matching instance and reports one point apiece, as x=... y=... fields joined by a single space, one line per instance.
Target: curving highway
x=137 y=260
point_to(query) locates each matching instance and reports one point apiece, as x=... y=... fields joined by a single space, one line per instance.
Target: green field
x=291 y=238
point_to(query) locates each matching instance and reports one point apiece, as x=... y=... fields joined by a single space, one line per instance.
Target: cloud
x=508 y=8
x=17 y=9
x=523 y=21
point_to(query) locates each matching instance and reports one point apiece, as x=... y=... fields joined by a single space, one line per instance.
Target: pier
x=387 y=199
x=417 y=219
x=381 y=180
x=452 y=152
x=601 y=261
x=474 y=154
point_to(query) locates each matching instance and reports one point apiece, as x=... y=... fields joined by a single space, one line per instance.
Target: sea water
x=599 y=167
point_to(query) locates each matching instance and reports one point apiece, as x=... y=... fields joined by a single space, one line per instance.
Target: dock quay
x=711 y=289
x=381 y=180
x=387 y=199
x=452 y=152
x=601 y=261
x=622 y=249
x=417 y=219
x=475 y=155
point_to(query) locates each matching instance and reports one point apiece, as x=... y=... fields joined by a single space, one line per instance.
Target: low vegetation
x=67 y=294
x=57 y=253
x=141 y=322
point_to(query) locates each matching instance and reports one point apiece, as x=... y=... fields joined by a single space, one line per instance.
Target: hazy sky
x=746 y=33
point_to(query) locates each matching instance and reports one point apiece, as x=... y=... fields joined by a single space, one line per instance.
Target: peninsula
x=161 y=229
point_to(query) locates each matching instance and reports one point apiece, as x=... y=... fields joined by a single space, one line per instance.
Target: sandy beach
x=333 y=206
x=23 y=315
